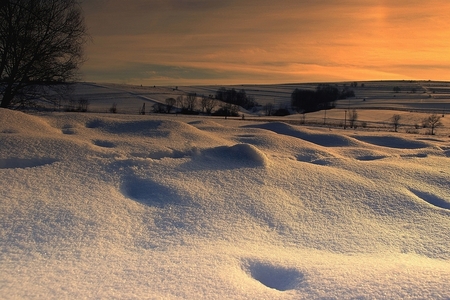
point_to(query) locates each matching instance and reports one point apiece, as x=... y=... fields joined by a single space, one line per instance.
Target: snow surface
x=173 y=207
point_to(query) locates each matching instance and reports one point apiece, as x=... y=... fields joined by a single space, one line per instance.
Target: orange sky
x=177 y=42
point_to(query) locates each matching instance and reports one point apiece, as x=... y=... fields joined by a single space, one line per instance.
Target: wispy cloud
x=270 y=41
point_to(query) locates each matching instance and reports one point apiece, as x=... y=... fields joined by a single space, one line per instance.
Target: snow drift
x=103 y=206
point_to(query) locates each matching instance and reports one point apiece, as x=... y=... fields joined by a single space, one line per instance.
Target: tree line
x=323 y=97
x=192 y=103
x=239 y=98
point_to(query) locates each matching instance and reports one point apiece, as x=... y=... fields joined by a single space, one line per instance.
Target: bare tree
x=181 y=102
x=142 y=109
x=208 y=104
x=396 y=121
x=268 y=109
x=191 y=101
x=352 y=117
x=113 y=108
x=41 y=45
x=432 y=122
x=170 y=103
x=159 y=108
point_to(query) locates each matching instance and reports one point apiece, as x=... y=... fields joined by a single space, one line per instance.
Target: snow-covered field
x=101 y=206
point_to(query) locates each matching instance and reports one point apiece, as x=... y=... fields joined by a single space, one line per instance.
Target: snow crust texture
x=171 y=207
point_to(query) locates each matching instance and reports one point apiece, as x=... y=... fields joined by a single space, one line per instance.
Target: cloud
x=251 y=38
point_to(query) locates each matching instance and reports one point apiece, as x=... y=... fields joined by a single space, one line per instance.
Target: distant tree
x=396 y=121
x=234 y=97
x=180 y=102
x=191 y=102
x=170 y=103
x=432 y=122
x=208 y=104
x=396 y=89
x=268 y=109
x=142 y=109
x=80 y=105
x=188 y=104
x=41 y=46
x=352 y=117
x=159 y=108
x=323 y=97
x=327 y=95
x=346 y=93
x=303 y=100
x=303 y=119
x=113 y=108
x=83 y=104
x=227 y=110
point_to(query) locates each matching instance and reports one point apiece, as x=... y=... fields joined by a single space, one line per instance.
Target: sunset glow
x=204 y=42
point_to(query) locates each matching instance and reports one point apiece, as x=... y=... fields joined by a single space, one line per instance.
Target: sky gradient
x=187 y=42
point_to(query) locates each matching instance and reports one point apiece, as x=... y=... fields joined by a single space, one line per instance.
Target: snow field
x=117 y=206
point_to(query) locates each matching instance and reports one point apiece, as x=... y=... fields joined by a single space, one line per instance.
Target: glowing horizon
x=179 y=42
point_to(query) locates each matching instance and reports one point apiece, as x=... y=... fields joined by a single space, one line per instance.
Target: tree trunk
x=7 y=97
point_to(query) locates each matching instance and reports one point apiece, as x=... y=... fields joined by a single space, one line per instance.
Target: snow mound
x=176 y=208
x=174 y=133
x=321 y=139
x=19 y=122
x=285 y=147
x=392 y=142
x=205 y=123
x=240 y=154
x=138 y=127
x=364 y=154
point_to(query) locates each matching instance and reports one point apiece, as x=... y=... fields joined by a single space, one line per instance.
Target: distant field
x=375 y=101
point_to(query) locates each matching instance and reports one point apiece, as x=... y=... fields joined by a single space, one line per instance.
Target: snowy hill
x=121 y=206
